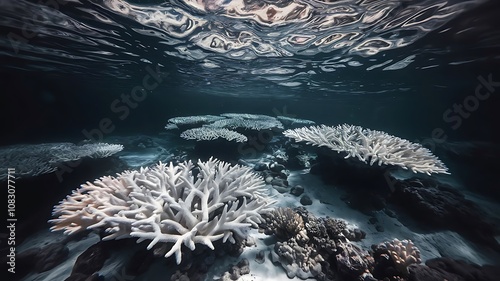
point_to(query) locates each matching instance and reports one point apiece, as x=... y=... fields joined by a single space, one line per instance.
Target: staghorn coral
x=168 y=204
x=210 y=133
x=191 y=120
x=289 y=121
x=227 y=121
x=248 y=124
x=370 y=146
x=247 y=116
x=223 y=127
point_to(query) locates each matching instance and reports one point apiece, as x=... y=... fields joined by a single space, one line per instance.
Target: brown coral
x=285 y=223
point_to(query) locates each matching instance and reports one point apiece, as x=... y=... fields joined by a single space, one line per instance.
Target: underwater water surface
x=93 y=88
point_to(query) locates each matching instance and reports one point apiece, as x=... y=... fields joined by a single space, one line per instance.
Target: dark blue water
x=401 y=70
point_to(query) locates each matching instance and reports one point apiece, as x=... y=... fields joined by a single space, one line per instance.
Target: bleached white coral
x=212 y=125
x=371 y=146
x=94 y=150
x=211 y=133
x=37 y=159
x=289 y=121
x=168 y=203
x=247 y=116
x=251 y=124
x=171 y=126
x=189 y=120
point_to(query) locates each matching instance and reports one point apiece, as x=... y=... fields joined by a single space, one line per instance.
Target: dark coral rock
x=315 y=228
x=390 y=213
x=384 y=266
x=325 y=244
x=475 y=163
x=355 y=234
x=140 y=262
x=306 y=200
x=224 y=249
x=260 y=167
x=260 y=258
x=297 y=190
x=424 y=273
x=470 y=272
x=352 y=262
x=243 y=263
x=40 y=259
x=350 y=172
x=84 y=277
x=327 y=239
x=440 y=206
x=236 y=271
x=335 y=227
x=50 y=256
x=179 y=276
x=91 y=260
x=25 y=262
x=275 y=167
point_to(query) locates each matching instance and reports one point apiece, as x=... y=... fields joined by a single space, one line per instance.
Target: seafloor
x=453 y=228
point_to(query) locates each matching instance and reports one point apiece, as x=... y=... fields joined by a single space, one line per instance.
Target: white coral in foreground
x=371 y=146
x=167 y=204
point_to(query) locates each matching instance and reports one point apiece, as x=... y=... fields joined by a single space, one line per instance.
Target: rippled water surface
x=222 y=46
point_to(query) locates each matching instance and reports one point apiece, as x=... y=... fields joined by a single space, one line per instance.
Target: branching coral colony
x=31 y=160
x=370 y=146
x=168 y=204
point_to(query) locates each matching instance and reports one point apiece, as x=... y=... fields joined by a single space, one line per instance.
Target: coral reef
x=174 y=122
x=210 y=133
x=285 y=223
x=370 y=146
x=168 y=204
x=442 y=206
x=316 y=247
x=249 y=124
x=298 y=260
x=228 y=121
x=401 y=255
x=291 y=122
x=38 y=159
x=235 y=272
x=250 y=133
